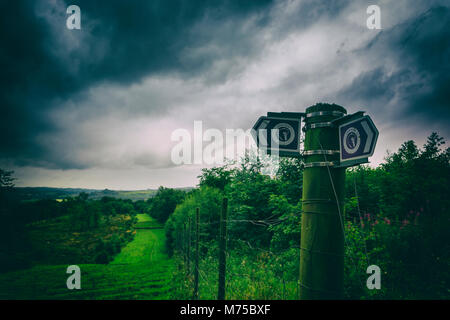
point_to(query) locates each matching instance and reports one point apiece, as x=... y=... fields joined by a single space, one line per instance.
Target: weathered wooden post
x=189 y=246
x=322 y=238
x=197 y=218
x=222 y=249
x=177 y=242
x=183 y=244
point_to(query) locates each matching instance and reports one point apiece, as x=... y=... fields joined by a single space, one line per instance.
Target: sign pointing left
x=279 y=133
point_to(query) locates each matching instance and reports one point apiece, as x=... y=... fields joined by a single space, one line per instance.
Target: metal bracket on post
x=320 y=164
x=316 y=152
x=325 y=113
x=319 y=125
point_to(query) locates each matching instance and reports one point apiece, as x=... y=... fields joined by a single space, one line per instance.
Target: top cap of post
x=321 y=111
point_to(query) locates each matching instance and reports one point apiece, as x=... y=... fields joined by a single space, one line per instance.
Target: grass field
x=141 y=271
x=54 y=241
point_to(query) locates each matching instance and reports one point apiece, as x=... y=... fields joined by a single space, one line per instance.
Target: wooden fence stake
x=222 y=250
x=189 y=246
x=196 y=255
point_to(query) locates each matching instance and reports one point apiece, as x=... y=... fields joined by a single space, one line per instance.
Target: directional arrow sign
x=357 y=140
x=278 y=134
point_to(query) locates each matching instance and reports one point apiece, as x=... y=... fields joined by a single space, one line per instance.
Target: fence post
x=222 y=250
x=196 y=254
x=183 y=243
x=189 y=246
x=322 y=238
x=177 y=242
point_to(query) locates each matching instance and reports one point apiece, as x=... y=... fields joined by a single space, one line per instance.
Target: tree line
x=396 y=216
x=78 y=214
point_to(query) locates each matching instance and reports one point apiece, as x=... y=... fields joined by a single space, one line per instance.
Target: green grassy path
x=141 y=271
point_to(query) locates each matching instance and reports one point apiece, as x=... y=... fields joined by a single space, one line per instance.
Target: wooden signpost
x=333 y=141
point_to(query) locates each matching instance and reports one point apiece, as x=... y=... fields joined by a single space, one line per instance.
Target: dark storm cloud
x=93 y=98
x=43 y=63
x=148 y=36
x=309 y=12
x=412 y=70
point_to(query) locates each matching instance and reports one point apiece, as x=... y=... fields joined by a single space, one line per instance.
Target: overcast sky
x=96 y=107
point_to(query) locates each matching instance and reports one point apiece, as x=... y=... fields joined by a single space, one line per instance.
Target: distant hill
x=39 y=193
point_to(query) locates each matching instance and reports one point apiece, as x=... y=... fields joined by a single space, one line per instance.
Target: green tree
x=217 y=177
x=165 y=202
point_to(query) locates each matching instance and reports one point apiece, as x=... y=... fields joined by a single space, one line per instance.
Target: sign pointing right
x=357 y=140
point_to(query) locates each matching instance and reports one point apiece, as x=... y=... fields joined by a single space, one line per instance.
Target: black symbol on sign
x=351 y=140
x=284 y=134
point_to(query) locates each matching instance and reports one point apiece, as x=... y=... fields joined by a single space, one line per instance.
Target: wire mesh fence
x=249 y=269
